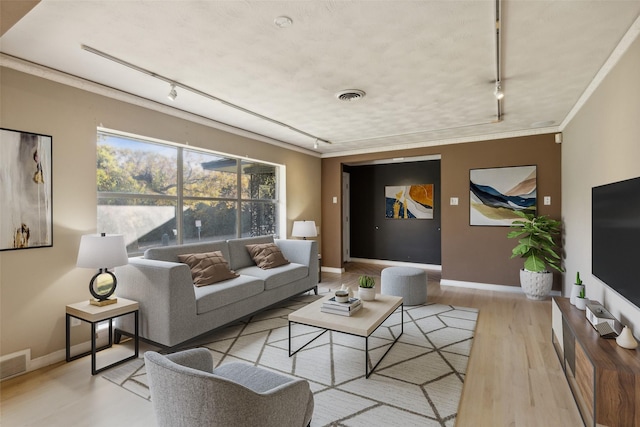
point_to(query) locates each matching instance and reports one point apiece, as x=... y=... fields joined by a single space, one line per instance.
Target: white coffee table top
x=361 y=323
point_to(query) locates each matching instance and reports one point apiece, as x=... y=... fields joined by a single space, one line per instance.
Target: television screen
x=616 y=237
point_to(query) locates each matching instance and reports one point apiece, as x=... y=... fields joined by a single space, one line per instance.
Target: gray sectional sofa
x=173 y=310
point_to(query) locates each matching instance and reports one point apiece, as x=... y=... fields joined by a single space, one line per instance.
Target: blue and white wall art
x=496 y=193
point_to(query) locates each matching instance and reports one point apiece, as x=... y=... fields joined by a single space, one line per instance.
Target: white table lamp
x=102 y=251
x=304 y=229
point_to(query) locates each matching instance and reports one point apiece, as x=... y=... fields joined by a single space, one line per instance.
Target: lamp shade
x=304 y=229
x=102 y=251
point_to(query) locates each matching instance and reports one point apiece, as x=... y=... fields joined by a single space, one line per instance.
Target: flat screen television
x=616 y=237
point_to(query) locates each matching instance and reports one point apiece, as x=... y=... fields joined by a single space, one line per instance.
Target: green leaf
x=552 y=253
x=520 y=250
x=533 y=263
x=515 y=233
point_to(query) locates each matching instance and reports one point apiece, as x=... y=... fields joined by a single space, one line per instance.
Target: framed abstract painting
x=496 y=193
x=25 y=190
x=409 y=201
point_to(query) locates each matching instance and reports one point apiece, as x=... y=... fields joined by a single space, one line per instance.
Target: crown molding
x=57 y=76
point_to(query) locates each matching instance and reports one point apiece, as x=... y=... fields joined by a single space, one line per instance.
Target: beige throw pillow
x=208 y=268
x=267 y=255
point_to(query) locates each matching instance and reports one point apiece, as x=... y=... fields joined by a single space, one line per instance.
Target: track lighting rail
x=176 y=84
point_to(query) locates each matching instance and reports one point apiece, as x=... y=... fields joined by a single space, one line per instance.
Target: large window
x=161 y=194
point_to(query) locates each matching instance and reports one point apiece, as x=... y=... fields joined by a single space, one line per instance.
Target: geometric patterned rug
x=418 y=383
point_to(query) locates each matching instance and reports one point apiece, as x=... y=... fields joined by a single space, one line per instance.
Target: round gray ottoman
x=406 y=282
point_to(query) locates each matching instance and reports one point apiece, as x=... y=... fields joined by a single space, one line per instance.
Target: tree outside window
x=220 y=197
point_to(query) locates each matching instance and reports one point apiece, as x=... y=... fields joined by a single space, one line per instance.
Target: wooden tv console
x=604 y=378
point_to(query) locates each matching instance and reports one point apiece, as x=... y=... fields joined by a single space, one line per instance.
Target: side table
x=94 y=314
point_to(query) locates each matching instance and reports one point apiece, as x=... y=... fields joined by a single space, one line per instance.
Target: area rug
x=418 y=383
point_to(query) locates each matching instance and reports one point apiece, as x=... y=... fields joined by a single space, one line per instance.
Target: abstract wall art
x=409 y=201
x=496 y=193
x=26 y=211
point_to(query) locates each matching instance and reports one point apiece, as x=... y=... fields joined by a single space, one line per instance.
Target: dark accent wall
x=470 y=254
x=375 y=237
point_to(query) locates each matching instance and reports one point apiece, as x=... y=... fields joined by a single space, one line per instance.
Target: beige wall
x=469 y=254
x=601 y=145
x=36 y=284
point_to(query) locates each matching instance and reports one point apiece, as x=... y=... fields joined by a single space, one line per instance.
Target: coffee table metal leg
x=368 y=372
x=316 y=337
x=366 y=358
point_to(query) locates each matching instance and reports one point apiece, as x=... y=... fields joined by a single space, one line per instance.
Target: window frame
x=179 y=199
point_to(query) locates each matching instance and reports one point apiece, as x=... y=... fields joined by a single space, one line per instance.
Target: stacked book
x=341 y=308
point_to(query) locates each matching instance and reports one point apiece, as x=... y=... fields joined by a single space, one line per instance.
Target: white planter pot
x=575 y=292
x=581 y=303
x=367 y=294
x=536 y=286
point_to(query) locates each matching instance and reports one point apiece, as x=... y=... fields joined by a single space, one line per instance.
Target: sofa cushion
x=207 y=268
x=209 y=298
x=267 y=255
x=278 y=276
x=239 y=255
x=170 y=253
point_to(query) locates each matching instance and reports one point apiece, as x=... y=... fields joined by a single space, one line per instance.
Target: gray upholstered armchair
x=187 y=391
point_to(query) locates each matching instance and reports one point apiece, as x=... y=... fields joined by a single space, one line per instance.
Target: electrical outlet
x=547 y=200
x=453 y=201
x=75 y=322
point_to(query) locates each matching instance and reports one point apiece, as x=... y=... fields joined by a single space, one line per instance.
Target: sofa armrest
x=166 y=296
x=299 y=251
x=303 y=252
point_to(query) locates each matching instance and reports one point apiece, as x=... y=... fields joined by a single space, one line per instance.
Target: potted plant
x=581 y=300
x=537 y=246
x=576 y=289
x=366 y=289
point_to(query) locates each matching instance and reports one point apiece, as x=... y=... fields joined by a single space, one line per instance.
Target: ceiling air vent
x=350 y=95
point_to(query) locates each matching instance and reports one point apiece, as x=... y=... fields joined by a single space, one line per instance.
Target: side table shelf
x=603 y=377
x=93 y=315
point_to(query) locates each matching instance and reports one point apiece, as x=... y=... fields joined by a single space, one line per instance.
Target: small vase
x=367 y=294
x=626 y=339
x=581 y=303
x=575 y=291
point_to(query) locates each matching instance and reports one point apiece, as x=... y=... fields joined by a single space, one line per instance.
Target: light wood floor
x=513 y=378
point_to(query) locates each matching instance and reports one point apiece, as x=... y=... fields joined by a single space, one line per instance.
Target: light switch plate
x=547 y=200
x=453 y=201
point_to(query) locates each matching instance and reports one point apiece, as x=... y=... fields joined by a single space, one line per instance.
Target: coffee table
x=363 y=323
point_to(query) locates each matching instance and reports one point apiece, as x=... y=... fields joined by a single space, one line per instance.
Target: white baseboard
x=397 y=263
x=332 y=270
x=61 y=355
x=50 y=359
x=487 y=286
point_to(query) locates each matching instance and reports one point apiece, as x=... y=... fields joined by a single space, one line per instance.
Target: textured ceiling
x=428 y=67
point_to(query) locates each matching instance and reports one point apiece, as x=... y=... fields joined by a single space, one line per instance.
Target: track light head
x=315 y=145
x=499 y=94
x=172 y=93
